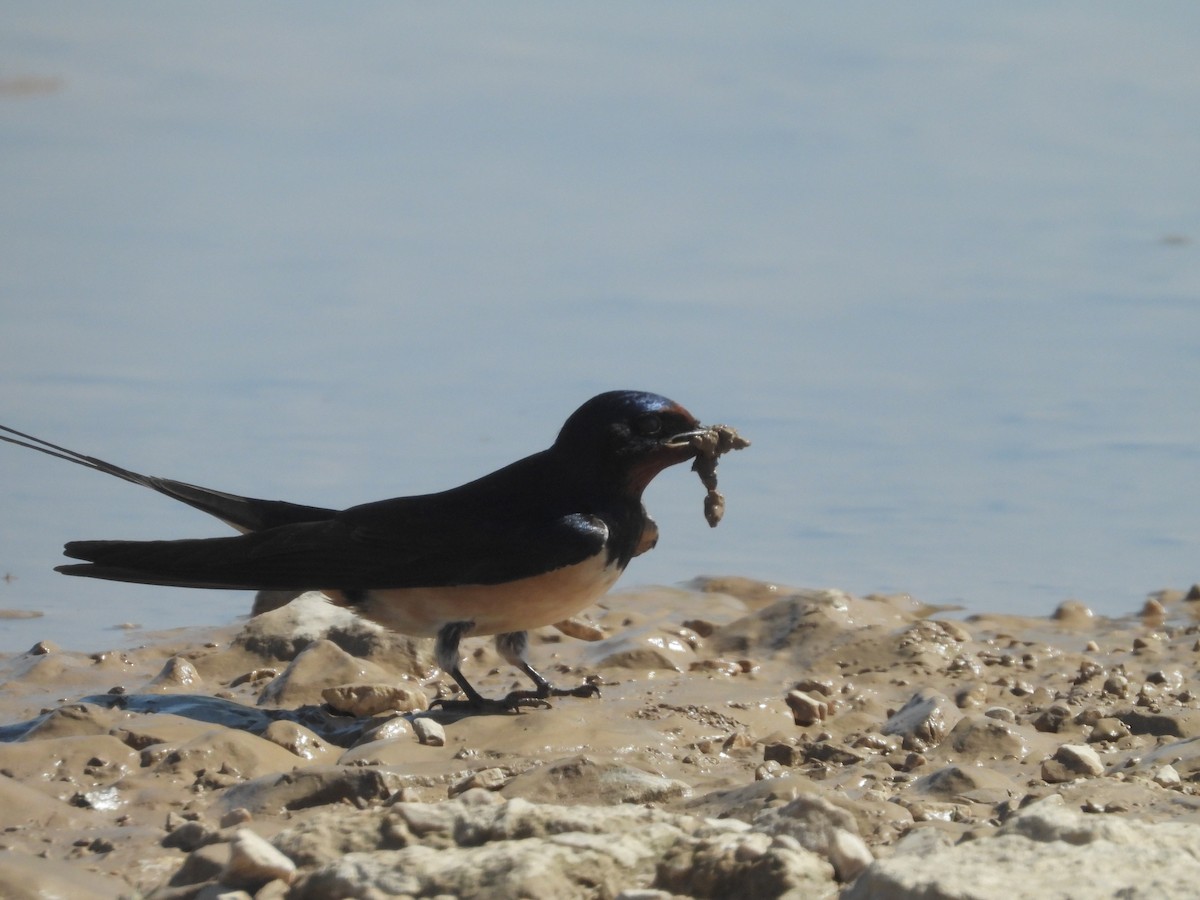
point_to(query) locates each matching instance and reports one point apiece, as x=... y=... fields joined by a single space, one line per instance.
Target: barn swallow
x=524 y=547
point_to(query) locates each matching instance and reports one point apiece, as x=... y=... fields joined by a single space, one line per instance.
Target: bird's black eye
x=648 y=424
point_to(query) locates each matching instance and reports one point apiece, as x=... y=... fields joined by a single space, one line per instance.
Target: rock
x=716 y=667
x=953 y=629
x=806 y=709
x=1108 y=728
x=237 y=816
x=747 y=801
x=1074 y=614
x=203 y=864
x=1169 y=678
x=1072 y=761
x=372 y=699
x=301 y=741
x=72 y=719
x=987 y=738
x=1183 y=756
x=806 y=625
x=221 y=750
x=65 y=766
x=587 y=779
x=1003 y=713
x=822 y=686
x=520 y=849
x=399 y=752
x=24 y=808
x=784 y=753
x=161 y=731
x=265 y=601
x=1054 y=718
x=1117 y=684
x=580 y=629
x=970 y=696
x=283 y=632
x=1047 y=850
x=742 y=865
x=191 y=836
x=923 y=721
x=1153 y=613
x=819 y=826
x=831 y=752
x=1183 y=723
x=276 y=794
x=74 y=788
x=394 y=727
x=970 y=781
x=253 y=862
x=177 y=674
x=645 y=649
x=320 y=665
x=492 y=779
x=1167 y=776
x=26 y=877
x=429 y=731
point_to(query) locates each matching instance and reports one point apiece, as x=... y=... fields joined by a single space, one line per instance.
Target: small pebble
x=806 y=709
x=1003 y=713
x=488 y=779
x=1073 y=612
x=254 y=861
x=580 y=630
x=237 y=816
x=1072 y=761
x=1167 y=776
x=429 y=731
x=1153 y=612
x=371 y=699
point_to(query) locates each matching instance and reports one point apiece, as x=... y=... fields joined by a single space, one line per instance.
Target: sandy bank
x=749 y=739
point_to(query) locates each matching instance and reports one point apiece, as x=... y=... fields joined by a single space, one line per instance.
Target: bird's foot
x=486 y=706
x=587 y=689
x=514 y=701
x=546 y=689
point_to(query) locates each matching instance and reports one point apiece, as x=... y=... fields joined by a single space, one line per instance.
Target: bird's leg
x=512 y=646
x=446 y=653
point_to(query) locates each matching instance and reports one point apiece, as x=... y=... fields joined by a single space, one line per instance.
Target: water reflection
x=942 y=271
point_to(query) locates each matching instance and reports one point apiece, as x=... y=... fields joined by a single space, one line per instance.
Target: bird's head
x=629 y=437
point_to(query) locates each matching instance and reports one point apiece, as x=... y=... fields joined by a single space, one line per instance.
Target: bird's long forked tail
x=285 y=558
x=241 y=513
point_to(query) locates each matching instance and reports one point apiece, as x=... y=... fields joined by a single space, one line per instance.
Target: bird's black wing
x=340 y=554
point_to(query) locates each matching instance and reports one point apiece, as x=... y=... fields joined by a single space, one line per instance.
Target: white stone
x=253 y=860
x=1047 y=850
x=429 y=732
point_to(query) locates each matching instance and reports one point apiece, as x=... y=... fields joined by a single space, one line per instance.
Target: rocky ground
x=750 y=740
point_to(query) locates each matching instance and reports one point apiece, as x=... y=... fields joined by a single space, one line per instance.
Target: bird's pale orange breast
x=520 y=605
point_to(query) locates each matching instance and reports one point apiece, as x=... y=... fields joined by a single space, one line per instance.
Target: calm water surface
x=939 y=262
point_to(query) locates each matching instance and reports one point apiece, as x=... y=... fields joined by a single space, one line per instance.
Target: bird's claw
x=587 y=689
x=486 y=706
x=514 y=701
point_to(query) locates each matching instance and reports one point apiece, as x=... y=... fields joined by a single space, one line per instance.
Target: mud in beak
x=683 y=439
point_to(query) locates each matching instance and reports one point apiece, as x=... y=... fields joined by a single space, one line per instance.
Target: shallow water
x=941 y=268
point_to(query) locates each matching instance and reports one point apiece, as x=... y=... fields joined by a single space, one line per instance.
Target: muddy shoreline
x=749 y=738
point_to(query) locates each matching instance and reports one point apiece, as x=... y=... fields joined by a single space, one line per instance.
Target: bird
x=525 y=546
